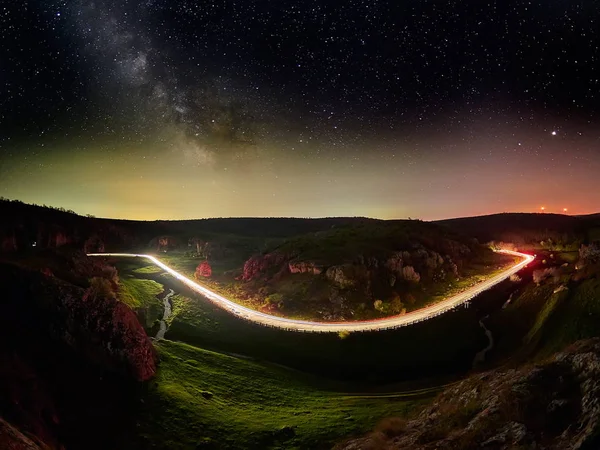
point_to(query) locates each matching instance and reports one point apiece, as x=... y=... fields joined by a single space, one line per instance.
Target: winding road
x=335 y=327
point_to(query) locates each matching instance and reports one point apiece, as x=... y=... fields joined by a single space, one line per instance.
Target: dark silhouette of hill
x=525 y=228
x=25 y=225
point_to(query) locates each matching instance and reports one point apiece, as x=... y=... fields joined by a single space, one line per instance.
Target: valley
x=215 y=379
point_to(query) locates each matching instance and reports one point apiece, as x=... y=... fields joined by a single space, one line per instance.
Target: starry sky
x=166 y=109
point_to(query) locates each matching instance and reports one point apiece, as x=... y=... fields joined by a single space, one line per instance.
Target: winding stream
x=480 y=356
x=166 y=314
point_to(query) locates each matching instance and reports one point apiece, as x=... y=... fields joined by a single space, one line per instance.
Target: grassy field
x=203 y=399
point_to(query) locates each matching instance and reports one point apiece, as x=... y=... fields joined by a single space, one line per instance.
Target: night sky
x=390 y=109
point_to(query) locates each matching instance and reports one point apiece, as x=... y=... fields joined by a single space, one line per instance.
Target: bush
x=100 y=288
x=343 y=334
x=391 y=426
x=540 y=275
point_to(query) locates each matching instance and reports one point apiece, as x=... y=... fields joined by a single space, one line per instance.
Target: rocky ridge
x=99 y=327
x=554 y=405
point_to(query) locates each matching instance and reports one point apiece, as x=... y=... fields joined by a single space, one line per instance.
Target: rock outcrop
x=347 y=276
x=94 y=244
x=262 y=265
x=304 y=267
x=12 y=439
x=554 y=406
x=71 y=356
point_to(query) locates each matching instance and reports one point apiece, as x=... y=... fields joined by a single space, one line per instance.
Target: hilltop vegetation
x=367 y=270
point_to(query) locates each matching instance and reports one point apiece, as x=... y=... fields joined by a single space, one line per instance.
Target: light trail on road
x=335 y=327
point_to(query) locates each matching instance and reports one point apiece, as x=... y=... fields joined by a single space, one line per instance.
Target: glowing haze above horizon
x=179 y=109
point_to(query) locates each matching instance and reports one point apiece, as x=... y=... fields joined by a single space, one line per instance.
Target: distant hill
x=24 y=224
x=529 y=229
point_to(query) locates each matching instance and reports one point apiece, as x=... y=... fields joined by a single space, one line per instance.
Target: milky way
x=178 y=109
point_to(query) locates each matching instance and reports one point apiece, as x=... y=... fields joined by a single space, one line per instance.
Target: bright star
x=554 y=133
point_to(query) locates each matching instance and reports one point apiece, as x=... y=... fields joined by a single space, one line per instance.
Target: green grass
x=138 y=293
x=577 y=317
x=546 y=312
x=201 y=397
x=141 y=295
x=148 y=269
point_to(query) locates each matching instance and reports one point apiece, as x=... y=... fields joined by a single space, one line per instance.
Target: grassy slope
x=140 y=294
x=576 y=317
x=248 y=405
x=544 y=319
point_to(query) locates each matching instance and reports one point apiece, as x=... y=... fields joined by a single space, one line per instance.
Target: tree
x=396 y=306
x=274 y=300
x=203 y=270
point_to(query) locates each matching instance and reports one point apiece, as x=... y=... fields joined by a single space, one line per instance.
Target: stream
x=166 y=314
x=480 y=356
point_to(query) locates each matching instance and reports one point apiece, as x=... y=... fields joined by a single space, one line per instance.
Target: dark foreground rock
x=555 y=405
x=12 y=439
x=99 y=328
x=71 y=358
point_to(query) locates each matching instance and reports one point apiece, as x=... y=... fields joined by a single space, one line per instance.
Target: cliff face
x=101 y=329
x=264 y=265
x=410 y=266
x=342 y=286
x=12 y=439
x=555 y=405
x=70 y=358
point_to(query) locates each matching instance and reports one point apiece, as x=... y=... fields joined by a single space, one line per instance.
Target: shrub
x=343 y=334
x=391 y=426
x=100 y=288
x=540 y=275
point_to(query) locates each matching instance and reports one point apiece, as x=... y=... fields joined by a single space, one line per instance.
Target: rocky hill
x=553 y=405
x=535 y=231
x=371 y=269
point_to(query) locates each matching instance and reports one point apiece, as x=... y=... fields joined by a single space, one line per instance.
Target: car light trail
x=335 y=327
